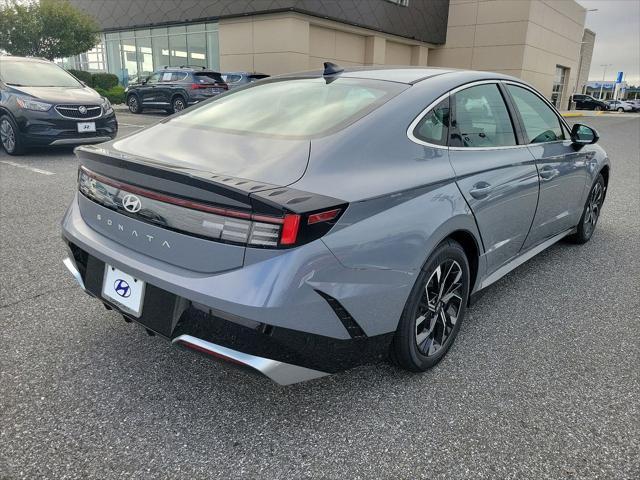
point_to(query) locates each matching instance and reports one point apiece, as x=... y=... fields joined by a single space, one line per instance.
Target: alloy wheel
x=133 y=104
x=594 y=204
x=439 y=307
x=7 y=135
x=178 y=105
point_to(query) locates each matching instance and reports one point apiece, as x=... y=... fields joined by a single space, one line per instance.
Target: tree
x=49 y=29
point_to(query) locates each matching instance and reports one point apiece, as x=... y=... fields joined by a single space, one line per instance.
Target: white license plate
x=125 y=291
x=84 y=127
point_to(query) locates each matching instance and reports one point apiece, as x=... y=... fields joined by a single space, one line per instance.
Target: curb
x=580 y=114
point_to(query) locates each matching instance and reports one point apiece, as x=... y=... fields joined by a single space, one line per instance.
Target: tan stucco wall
x=290 y=42
x=524 y=38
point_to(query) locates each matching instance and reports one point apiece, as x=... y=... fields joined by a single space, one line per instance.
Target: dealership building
x=540 y=41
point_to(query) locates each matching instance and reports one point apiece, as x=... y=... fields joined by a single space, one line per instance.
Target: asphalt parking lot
x=543 y=381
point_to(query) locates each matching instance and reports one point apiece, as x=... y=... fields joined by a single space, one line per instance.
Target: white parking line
x=130 y=125
x=36 y=170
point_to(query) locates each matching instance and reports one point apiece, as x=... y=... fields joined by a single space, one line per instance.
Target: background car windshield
x=36 y=74
x=293 y=108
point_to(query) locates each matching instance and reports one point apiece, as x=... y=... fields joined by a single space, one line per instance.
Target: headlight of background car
x=29 y=104
x=106 y=105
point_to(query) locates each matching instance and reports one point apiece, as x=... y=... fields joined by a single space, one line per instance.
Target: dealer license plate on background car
x=84 y=127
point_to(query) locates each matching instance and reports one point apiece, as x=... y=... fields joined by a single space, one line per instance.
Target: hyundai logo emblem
x=131 y=203
x=82 y=109
x=122 y=288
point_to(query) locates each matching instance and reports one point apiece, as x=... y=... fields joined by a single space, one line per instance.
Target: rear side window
x=208 y=77
x=434 y=126
x=297 y=108
x=178 y=76
x=482 y=118
x=540 y=122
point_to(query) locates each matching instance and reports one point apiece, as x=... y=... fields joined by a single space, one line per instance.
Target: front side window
x=24 y=73
x=434 y=126
x=482 y=119
x=155 y=78
x=540 y=122
x=292 y=108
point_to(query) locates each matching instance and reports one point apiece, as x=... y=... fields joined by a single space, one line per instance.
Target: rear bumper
x=290 y=334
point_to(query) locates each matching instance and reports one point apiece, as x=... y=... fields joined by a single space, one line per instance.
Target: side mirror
x=583 y=135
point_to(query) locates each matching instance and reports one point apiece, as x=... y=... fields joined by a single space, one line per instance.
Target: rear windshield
x=292 y=108
x=208 y=77
x=35 y=74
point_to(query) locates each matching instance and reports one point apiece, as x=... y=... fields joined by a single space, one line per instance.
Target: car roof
x=407 y=75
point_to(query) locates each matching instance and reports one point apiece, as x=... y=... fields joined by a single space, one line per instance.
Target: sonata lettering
x=133 y=233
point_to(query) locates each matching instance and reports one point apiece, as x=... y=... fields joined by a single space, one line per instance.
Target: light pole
x=604 y=73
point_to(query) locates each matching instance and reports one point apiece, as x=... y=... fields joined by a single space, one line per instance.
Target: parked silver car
x=620 y=105
x=314 y=222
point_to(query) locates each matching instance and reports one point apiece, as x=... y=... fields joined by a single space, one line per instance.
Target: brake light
x=290 y=229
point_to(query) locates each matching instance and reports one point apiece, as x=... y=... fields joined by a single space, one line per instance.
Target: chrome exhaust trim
x=71 y=266
x=280 y=372
x=80 y=141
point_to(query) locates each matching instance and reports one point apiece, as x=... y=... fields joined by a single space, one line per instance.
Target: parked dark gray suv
x=174 y=89
x=312 y=222
x=41 y=104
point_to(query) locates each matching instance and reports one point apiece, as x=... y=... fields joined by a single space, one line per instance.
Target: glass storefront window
x=114 y=59
x=134 y=54
x=130 y=58
x=145 y=56
x=197 y=43
x=160 y=52
x=178 y=50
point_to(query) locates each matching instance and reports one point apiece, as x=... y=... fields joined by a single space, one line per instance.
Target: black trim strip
x=344 y=316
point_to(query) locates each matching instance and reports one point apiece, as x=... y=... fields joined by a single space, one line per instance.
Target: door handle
x=547 y=173
x=480 y=190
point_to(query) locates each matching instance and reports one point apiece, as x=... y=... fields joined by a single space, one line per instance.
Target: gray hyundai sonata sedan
x=309 y=223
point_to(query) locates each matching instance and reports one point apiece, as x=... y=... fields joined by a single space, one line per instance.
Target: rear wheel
x=620 y=109
x=591 y=213
x=434 y=311
x=10 y=136
x=178 y=104
x=134 y=104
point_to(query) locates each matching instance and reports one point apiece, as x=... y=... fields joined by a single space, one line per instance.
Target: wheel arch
x=605 y=171
x=180 y=94
x=471 y=249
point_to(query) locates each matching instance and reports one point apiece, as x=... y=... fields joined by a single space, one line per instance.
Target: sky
x=617 y=27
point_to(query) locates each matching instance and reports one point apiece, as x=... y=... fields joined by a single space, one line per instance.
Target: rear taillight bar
x=216 y=223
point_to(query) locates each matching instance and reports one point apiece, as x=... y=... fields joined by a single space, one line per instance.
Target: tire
x=591 y=213
x=430 y=322
x=10 y=137
x=133 y=102
x=621 y=109
x=178 y=104
x=598 y=108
